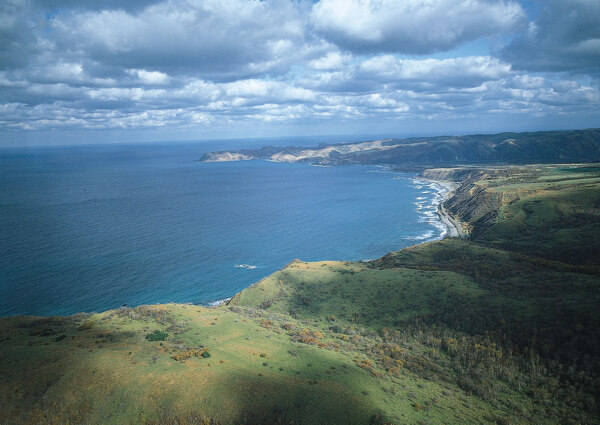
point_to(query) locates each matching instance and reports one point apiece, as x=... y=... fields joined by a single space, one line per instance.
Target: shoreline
x=445 y=190
x=453 y=226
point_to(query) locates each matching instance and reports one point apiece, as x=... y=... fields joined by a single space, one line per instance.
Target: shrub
x=157 y=336
x=310 y=337
x=304 y=300
x=265 y=304
x=87 y=325
x=266 y=323
x=42 y=332
x=367 y=365
x=191 y=353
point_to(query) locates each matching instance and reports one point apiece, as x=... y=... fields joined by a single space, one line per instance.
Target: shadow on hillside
x=38 y=354
x=273 y=400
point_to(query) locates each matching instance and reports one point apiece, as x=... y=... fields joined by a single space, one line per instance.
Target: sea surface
x=91 y=228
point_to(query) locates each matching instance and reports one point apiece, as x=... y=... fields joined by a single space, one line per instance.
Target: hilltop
x=499 y=328
x=424 y=152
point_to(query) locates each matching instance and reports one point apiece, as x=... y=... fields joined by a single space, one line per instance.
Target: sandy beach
x=453 y=226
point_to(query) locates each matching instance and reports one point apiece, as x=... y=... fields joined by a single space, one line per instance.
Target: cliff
x=472 y=204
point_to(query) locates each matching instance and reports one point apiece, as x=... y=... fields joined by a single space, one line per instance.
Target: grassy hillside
x=500 y=328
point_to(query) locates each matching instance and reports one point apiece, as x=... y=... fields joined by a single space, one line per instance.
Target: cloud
x=331 y=61
x=412 y=26
x=258 y=65
x=268 y=91
x=219 y=39
x=150 y=77
x=566 y=37
x=439 y=73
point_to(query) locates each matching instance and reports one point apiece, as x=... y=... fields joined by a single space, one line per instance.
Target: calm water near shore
x=92 y=228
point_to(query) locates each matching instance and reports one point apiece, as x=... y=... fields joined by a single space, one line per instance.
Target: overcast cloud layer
x=172 y=69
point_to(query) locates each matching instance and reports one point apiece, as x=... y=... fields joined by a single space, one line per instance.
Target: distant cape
x=422 y=152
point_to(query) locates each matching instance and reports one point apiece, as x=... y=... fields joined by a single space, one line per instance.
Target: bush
x=310 y=337
x=191 y=353
x=265 y=304
x=157 y=336
x=87 y=325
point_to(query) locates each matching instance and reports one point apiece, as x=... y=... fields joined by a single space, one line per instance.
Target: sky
x=93 y=71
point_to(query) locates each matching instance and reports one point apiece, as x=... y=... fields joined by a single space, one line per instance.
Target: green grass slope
x=501 y=328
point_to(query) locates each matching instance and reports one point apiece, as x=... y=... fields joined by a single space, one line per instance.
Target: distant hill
x=423 y=152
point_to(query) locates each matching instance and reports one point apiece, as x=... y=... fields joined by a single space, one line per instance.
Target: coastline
x=445 y=190
x=455 y=229
x=440 y=222
x=453 y=226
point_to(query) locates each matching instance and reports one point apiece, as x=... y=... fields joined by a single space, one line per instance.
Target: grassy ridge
x=105 y=371
x=501 y=328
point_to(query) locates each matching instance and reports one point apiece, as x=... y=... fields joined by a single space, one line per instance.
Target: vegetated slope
x=102 y=369
x=493 y=329
x=513 y=148
x=510 y=315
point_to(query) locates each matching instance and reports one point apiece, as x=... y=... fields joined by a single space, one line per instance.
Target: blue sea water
x=91 y=228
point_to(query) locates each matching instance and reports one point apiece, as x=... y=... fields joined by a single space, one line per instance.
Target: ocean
x=91 y=228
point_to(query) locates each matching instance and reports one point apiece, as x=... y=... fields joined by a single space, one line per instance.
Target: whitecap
x=218 y=302
x=421 y=237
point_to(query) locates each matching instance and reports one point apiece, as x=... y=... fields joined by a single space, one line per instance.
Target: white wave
x=218 y=302
x=245 y=266
x=421 y=237
x=427 y=209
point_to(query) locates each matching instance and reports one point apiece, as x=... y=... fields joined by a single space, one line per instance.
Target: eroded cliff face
x=472 y=203
x=457 y=174
x=328 y=154
x=225 y=157
x=474 y=206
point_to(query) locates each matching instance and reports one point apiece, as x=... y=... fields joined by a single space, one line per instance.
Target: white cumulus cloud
x=413 y=26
